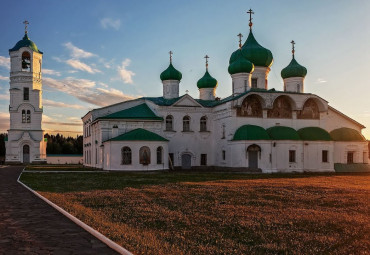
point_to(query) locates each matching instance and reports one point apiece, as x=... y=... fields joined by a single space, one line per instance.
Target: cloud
x=52 y=103
x=5 y=62
x=4 y=121
x=86 y=91
x=4 y=78
x=51 y=121
x=126 y=75
x=82 y=66
x=50 y=72
x=77 y=52
x=320 y=80
x=4 y=96
x=108 y=22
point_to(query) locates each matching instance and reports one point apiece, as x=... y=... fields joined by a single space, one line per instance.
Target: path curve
x=30 y=226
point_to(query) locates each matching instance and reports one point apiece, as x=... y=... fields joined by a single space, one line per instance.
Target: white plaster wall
x=64 y=159
x=207 y=93
x=241 y=82
x=112 y=161
x=170 y=89
x=294 y=84
x=261 y=73
x=359 y=148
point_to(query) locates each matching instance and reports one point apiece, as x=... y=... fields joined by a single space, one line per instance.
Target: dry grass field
x=217 y=213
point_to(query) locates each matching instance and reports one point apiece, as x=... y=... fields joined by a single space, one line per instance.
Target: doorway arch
x=26 y=153
x=253 y=152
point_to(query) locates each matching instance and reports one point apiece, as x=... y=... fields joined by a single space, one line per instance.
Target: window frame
x=186 y=123
x=126 y=156
x=292 y=156
x=159 y=153
x=169 y=123
x=203 y=124
x=254 y=83
x=26 y=94
x=203 y=159
x=325 y=156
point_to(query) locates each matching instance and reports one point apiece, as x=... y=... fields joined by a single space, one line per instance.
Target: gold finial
x=170 y=56
x=240 y=39
x=293 y=51
x=25 y=26
x=206 y=57
x=250 y=18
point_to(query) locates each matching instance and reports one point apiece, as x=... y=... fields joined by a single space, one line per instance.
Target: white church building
x=255 y=128
x=25 y=142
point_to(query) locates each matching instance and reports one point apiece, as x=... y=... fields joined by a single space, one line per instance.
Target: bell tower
x=25 y=137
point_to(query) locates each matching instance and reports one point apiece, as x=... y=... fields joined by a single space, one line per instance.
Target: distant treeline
x=57 y=144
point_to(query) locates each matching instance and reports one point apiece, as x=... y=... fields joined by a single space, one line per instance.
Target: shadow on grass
x=72 y=182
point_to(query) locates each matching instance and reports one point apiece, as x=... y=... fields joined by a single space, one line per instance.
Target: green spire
x=240 y=64
x=207 y=81
x=171 y=73
x=294 y=69
x=25 y=42
x=255 y=53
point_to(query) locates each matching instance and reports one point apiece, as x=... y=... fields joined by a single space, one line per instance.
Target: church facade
x=25 y=142
x=255 y=128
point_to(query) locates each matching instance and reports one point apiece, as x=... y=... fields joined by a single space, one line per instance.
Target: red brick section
x=30 y=226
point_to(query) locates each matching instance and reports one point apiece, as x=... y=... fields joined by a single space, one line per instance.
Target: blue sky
x=100 y=52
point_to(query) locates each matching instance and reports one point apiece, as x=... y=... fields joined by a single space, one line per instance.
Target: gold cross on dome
x=170 y=56
x=25 y=26
x=250 y=18
x=206 y=57
x=240 y=39
x=293 y=50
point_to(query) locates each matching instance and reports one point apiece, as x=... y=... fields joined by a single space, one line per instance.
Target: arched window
x=26 y=61
x=144 y=155
x=169 y=123
x=23 y=116
x=159 y=155
x=186 y=124
x=281 y=108
x=28 y=116
x=251 y=107
x=310 y=110
x=126 y=156
x=203 y=124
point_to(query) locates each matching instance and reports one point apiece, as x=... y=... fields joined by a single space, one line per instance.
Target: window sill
x=170 y=131
x=204 y=131
x=187 y=131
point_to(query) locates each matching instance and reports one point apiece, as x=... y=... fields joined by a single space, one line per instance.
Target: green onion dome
x=240 y=64
x=293 y=70
x=171 y=74
x=26 y=42
x=255 y=53
x=207 y=81
x=234 y=56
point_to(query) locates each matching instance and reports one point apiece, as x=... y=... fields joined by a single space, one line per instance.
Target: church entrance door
x=253 y=152
x=26 y=154
x=186 y=161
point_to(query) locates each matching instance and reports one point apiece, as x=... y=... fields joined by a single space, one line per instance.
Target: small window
x=325 y=156
x=159 y=155
x=350 y=157
x=23 y=116
x=203 y=124
x=254 y=83
x=203 y=159
x=96 y=156
x=28 y=116
x=170 y=160
x=126 y=155
x=298 y=88
x=245 y=85
x=186 y=124
x=223 y=155
x=26 y=93
x=144 y=155
x=223 y=131
x=169 y=123
x=292 y=156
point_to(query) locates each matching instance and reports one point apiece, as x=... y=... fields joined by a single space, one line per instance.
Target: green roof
x=240 y=64
x=207 y=81
x=139 y=134
x=171 y=74
x=255 y=53
x=283 y=133
x=293 y=70
x=346 y=134
x=141 y=111
x=251 y=132
x=25 y=42
x=314 y=134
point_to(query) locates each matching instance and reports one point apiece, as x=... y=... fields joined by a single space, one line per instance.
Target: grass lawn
x=218 y=213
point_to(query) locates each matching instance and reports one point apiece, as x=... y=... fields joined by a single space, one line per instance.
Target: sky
x=101 y=52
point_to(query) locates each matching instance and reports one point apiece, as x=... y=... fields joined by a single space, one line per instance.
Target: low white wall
x=64 y=159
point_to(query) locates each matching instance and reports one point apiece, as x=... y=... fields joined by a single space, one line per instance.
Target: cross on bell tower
x=25 y=26
x=250 y=12
x=206 y=57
